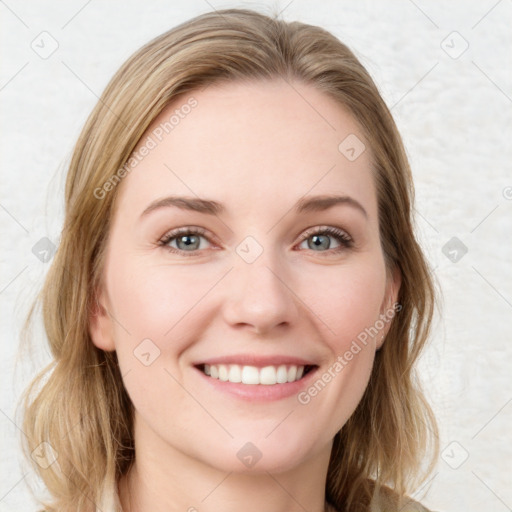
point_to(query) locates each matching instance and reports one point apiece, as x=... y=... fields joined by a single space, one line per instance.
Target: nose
x=260 y=297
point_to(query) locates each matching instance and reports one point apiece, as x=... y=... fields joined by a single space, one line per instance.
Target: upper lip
x=258 y=361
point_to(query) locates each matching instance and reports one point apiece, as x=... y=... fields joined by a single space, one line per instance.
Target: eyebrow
x=211 y=207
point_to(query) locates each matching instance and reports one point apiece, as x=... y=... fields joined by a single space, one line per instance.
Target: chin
x=262 y=455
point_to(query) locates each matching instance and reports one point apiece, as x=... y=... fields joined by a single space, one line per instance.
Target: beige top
x=388 y=504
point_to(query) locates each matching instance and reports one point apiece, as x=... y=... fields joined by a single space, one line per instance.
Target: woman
x=238 y=298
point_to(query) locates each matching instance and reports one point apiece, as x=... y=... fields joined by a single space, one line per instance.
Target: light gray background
x=454 y=111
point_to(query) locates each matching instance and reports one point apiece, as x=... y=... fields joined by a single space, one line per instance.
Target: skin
x=257 y=148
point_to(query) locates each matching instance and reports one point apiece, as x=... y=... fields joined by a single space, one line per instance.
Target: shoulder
x=388 y=501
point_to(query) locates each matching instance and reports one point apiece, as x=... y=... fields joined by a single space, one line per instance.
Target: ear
x=100 y=322
x=390 y=305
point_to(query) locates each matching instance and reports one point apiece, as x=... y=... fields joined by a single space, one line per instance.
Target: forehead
x=250 y=146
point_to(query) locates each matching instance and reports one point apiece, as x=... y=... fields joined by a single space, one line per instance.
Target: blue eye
x=320 y=239
x=188 y=240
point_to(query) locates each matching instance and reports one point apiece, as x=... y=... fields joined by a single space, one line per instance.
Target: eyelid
x=172 y=233
x=331 y=230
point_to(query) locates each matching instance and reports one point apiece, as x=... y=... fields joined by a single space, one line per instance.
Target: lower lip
x=259 y=392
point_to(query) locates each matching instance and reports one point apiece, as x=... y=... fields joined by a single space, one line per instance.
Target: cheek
x=347 y=309
x=347 y=301
x=154 y=308
x=158 y=302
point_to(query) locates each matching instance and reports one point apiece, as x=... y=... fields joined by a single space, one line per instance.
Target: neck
x=163 y=478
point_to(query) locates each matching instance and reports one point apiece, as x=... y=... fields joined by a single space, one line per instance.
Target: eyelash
x=346 y=242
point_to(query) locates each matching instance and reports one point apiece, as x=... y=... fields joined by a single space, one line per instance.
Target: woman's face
x=251 y=280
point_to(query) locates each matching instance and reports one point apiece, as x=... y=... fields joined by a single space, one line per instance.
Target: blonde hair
x=79 y=404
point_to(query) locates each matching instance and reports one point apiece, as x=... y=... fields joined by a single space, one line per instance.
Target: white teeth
x=223 y=372
x=282 y=375
x=292 y=373
x=268 y=375
x=235 y=373
x=252 y=375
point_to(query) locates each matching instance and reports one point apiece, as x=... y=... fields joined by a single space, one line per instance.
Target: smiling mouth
x=252 y=375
